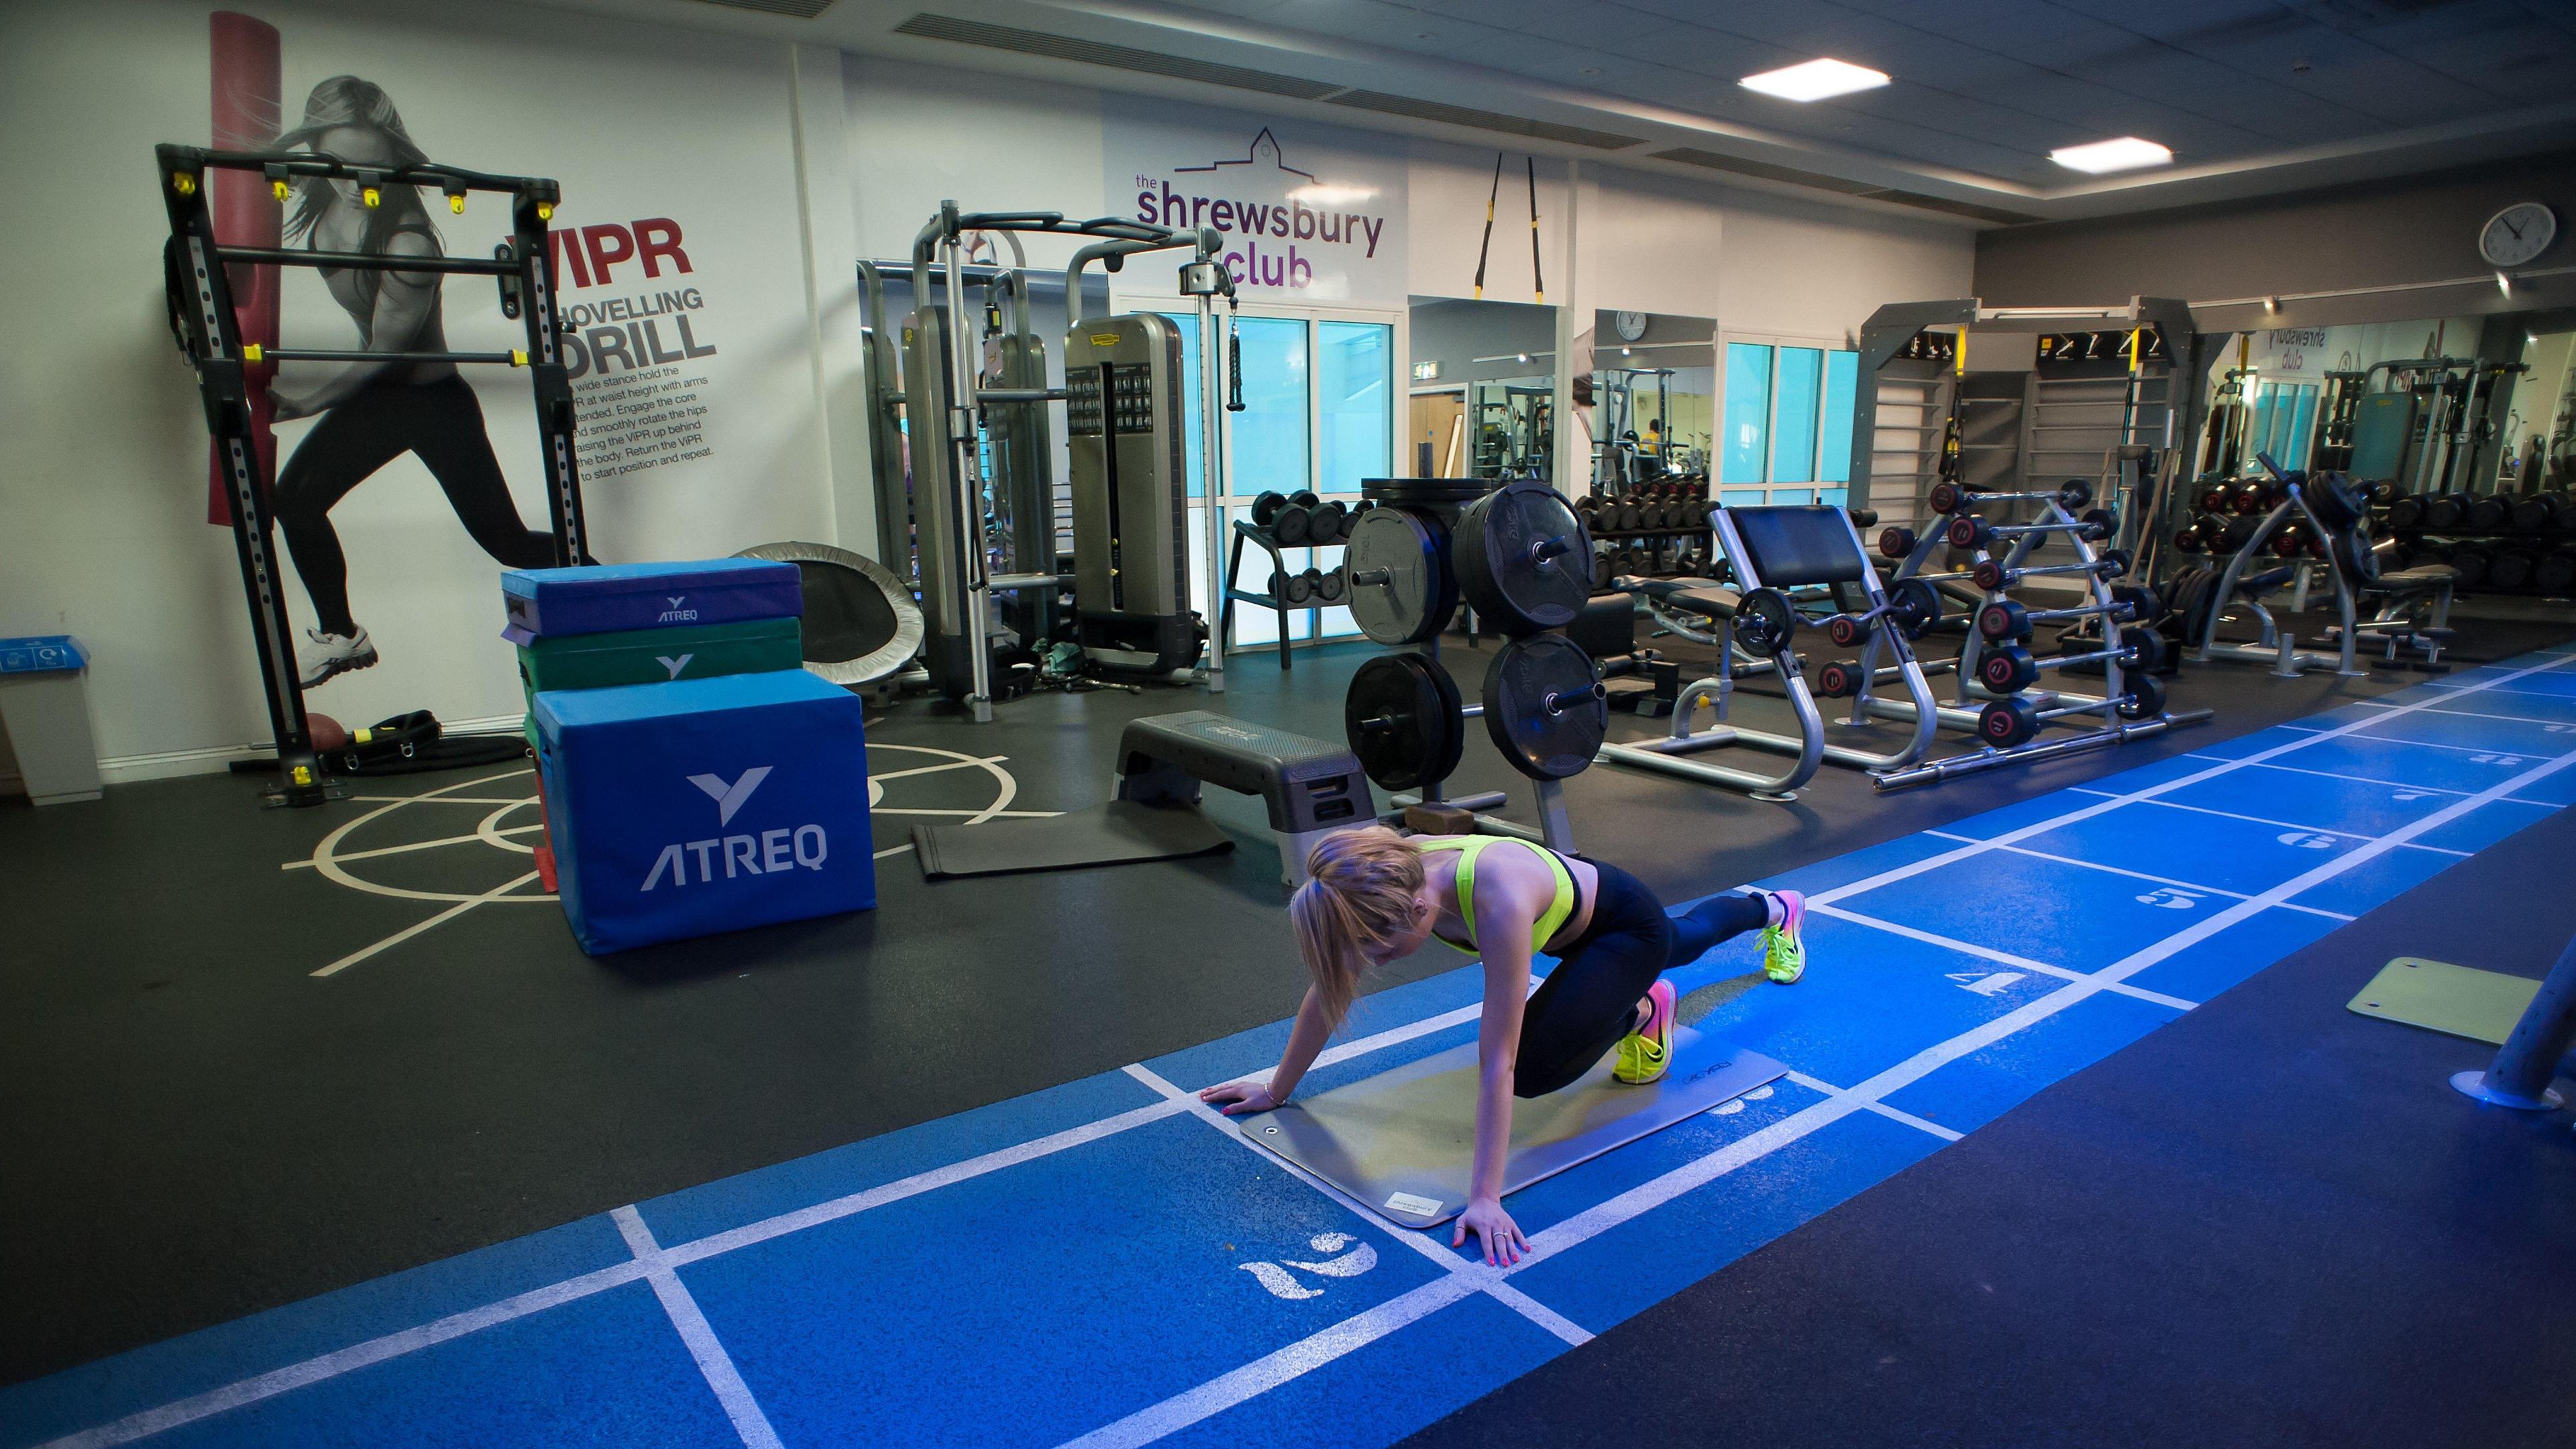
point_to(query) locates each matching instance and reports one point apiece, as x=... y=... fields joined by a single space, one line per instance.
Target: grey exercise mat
x=1403 y=1141
x=1113 y=834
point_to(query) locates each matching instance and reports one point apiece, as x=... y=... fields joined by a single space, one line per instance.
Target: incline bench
x=1312 y=786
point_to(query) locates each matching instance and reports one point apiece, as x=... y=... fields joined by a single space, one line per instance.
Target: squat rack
x=209 y=331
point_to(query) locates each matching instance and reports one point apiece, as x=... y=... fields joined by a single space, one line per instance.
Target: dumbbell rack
x=1966 y=709
x=2273 y=646
x=2531 y=549
x=1606 y=514
x=1269 y=542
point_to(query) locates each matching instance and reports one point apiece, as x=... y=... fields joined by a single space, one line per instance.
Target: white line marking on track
x=438 y=799
x=698 y=1334
x=2266 y=820
x=932 y=769
x=2167 y=880
x=415 y=845
x=2000 y=958
x=1818 y=1084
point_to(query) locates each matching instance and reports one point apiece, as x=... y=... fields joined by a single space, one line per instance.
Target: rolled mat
x=1117 y=833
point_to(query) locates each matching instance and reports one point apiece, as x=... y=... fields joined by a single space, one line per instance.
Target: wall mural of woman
x=372 y=413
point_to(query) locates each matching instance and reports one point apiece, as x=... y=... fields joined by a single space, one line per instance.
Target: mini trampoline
x=861 y=623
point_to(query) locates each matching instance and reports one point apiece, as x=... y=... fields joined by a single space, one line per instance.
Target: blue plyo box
x=605 y=598
x=705 y=805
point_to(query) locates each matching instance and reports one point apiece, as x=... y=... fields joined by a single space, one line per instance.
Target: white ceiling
x=2253 y=96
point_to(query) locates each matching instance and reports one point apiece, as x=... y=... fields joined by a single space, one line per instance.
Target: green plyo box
x=655 y=656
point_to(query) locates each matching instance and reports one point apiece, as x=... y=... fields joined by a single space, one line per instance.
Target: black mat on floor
x=1121 y=832
x=2271 y=1222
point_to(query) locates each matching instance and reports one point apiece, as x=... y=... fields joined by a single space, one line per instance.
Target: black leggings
x=1590 y=1000
x=442 y=423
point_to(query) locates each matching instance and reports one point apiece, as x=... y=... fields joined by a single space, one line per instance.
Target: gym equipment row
x=230 y=371
x=1124 y=409
x=1514 y=555
x=1282 y=521
x=1996 y=670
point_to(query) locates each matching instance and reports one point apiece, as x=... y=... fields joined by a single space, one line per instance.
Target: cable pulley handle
x=1233 y=362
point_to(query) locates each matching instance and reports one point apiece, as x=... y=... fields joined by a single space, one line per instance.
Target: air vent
x=800 y=9
x=1717 y=161
x=1422 y=110
x=1115 y=57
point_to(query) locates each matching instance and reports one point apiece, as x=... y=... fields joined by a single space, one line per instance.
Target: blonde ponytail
x=1357 y=901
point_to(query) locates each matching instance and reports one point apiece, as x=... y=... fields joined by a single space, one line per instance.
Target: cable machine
x=974 y=429
x=209 y=333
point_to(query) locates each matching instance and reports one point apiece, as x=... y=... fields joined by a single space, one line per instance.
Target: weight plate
x=2145 y=699
x=2074 y=494
x=1405 y=720
x=1402 y=591
x=1915 y=606
x=1545 y=706
x=1765 y=622
x=2337 y=503
x=1520 y=554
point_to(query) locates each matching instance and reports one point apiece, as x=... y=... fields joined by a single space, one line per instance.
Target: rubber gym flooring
x=665 y=1239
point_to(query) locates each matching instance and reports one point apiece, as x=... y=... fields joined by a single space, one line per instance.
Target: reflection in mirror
x=1648 y=404
x=1484 y=378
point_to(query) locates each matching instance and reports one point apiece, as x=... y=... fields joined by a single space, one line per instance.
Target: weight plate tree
x=1405 y=721
x=1401 y=587
x=1524 y=558
x=1545 y=706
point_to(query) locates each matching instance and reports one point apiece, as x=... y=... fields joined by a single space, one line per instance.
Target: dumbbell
x=1332 y=586
x=2289 y=540
x=2004 y=723
x=2012 y=668
x=2190 y=538
x=2556 y=571
x=1292 y=588
x=1655 y=516
x=1913 y=606
x=2005 y=621
x=1329 y=522
x=2238 y=532
x=2512 y=569
x=1990 y=574
x=2488 y=514
x=1895 y=542
x=1838 y=679
x=2406 y=514
x=2213 y=494
x=2445 y=511
x=1970 y=531
x=2532 y=511
x=2564 y=519
x=2472 y=561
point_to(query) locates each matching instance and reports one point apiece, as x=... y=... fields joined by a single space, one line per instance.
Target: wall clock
x=2516 y=235
x=1630 y=325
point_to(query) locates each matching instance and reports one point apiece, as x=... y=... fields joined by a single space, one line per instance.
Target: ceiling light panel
x=2128 y=153
x=1815 y=80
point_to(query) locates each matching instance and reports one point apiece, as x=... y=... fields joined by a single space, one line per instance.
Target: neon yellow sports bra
x=1569 y=898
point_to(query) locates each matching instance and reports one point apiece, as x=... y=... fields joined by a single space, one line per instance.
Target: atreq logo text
x=768 y=853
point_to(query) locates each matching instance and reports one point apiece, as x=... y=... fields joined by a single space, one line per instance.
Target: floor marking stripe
x=2000 y=958
x=1421 y=1242
x=2231 y=815
x=1290 y=1362
x=944 y=765
x=356 y=1356
x=698 y=1334
x=2142 y=875
x=1277 y=1367
x=2373 y=780
x=307 y=864
x=407 y=932
x=443 y=799
x=2458 y=749
x=1893 y=1114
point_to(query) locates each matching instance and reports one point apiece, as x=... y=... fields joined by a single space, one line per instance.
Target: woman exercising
x=375 y=412
x=1375 y=896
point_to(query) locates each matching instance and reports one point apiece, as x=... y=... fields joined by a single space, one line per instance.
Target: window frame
x=1812 y=490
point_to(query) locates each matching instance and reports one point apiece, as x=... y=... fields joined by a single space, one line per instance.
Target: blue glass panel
x=1793 y=445
x=1355 y=374
x=1270 y=433
x=1833 y=454
x=1745 y=448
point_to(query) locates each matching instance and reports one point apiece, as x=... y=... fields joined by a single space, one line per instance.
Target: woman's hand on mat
x=1493 y=1227
x=1234 y=1098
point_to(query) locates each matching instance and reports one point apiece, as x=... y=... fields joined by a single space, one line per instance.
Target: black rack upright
x=201 y=309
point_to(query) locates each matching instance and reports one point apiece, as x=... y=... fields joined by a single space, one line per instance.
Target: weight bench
x=1771 y=551
x=1313 y=787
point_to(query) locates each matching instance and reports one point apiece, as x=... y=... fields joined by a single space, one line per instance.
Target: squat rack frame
x=201 y=308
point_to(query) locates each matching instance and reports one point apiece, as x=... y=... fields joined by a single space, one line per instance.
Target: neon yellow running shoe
x=1647 y=1053
x=1784 y=946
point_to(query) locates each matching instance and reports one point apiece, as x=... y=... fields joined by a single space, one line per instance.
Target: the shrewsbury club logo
x=1275 y=217
x=768 y=853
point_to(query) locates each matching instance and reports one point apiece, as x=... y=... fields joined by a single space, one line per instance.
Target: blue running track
x=1106 y=1263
